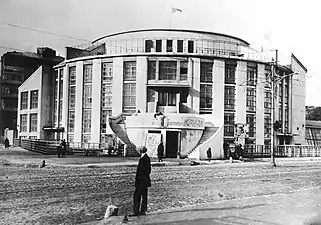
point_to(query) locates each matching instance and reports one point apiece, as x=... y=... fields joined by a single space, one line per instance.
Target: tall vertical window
x=107 y=71
x=55 y=109
x=103 y=120
x=267 y=126
x=88 y=73
x=87 y=99
x=250 y=120
x=129 y=98
x=251 y=74
x=167 y=97
x=61 y=81
x=106 y=95
x=33 y=122
x=230 y=69
x=206 y=98
x=180 y=45
x=71 y=103
x=24 y=100
x=130 y=71
x=158 y=45
x=229 y=98
x=23 y=123
x=167 y=70
x=206 y=72
x=267 y=101
x=250 y=99
x=150 y=95
x=34 y=99
x=169 y=45
x=190 y=46
x=183 y=70
x=229 y=120
x=268 y=76
x=151 y=70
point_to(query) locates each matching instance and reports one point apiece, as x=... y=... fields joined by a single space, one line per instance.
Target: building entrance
x=171 y=144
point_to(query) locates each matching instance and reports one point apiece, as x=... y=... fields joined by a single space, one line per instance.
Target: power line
x=43 y=31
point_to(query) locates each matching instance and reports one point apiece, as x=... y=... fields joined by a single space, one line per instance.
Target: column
x=196 y=86
x=218 y=91
x=65 y=98
x=96 y=100
x=190 y=76
x=79 y=96
x=141 y=80
x=118 y=86
x=259 y=134
x=241 y=92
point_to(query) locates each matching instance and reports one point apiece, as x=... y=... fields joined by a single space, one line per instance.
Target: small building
x=190 y=89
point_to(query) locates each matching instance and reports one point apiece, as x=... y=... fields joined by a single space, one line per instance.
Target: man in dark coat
x=142 y=182
x=160 y=152
x=226 y=150
x=63 y=145
x=6 y=143
x=209 y=154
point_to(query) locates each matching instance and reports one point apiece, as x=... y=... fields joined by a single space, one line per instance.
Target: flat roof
x=177 y=30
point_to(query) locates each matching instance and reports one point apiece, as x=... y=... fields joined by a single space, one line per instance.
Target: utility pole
x=273 y=107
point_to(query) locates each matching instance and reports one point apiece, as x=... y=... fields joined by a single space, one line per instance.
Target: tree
x=313 y=113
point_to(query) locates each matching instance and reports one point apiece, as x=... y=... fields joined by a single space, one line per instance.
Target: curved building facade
x=190 y=89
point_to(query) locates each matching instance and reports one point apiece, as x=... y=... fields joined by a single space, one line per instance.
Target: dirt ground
x=74 y=195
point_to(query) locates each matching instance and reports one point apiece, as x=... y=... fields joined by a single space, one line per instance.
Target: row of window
x=156 y=46
x=33 y=122
x=33 y=100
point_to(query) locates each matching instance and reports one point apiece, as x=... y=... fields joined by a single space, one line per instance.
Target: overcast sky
x=290 y=26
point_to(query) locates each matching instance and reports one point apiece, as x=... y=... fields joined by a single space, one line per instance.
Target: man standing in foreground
x=142 y=182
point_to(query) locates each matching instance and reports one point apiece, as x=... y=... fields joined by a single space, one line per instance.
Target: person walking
x=226 y=150
x=142 y=182
x=209 y=154
x=6 y=143
x=160 y=152
x=63 y=147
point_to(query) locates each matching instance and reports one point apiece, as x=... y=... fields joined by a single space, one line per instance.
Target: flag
x=174 y=10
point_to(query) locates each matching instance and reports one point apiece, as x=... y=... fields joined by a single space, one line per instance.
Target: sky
x=289 y=26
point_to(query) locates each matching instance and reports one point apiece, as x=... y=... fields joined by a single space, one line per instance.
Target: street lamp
x=274 y=83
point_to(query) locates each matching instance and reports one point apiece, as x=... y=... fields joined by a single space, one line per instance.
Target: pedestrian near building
x=142 y=182
x=160 y=152
x=63 y=145
x=209 y=154
x=6 y=143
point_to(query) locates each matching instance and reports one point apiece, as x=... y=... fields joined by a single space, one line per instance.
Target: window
x=250 y=99
x=34 y=99
x=106 y=95
x=169 y=45
x=167 y=70
x=87 y=96
x=158 y=45
x=86 y=138
x=166 y=98
x=229 y=98
x=183 y=70
x=151 y=70
x=268 y=76
x=230 y=73
x=148 y=45
x=129 y=98
x=250 y=120
x=33 y=122
x=180 y=45
x=190 y=46
x=24 y=100
x=86 y=121
x=88 y=73
x=206 y=96
x=107 y=71
x=229 y=124
x=267 y=126
x=267 y=101
x=71 y=121
x=150 y=95
x=129 y=71
x=72 y=97
x=206 y=72
x=72 y=75
x=71 y=137
x=23 y=123
x=251 y=74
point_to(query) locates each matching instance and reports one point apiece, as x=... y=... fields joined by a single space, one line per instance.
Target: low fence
x=73 y=148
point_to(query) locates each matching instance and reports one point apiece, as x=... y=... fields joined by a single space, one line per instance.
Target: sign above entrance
x=165 y=121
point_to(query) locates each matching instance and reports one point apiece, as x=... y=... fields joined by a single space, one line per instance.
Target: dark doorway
x=171 y=144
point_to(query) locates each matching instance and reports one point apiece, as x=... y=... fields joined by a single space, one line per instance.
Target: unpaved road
x=73 y=195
